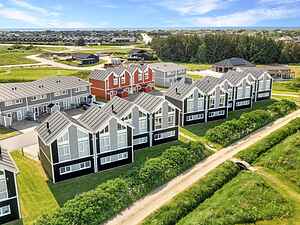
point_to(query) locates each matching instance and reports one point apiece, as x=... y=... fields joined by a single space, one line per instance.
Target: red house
x=121 y=81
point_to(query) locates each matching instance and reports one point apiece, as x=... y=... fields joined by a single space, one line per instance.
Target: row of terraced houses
x=105 y=138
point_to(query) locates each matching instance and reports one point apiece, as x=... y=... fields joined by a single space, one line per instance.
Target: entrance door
x=19 y=115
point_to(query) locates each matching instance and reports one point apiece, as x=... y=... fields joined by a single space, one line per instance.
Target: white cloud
x=15 y=14
x=193 y=7
x=246 y=18
x=30 y=7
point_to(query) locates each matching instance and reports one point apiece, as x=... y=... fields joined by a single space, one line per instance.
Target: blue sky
x=147 y=13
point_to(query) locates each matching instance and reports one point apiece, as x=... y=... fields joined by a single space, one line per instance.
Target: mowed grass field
x=16 y=56
x=38 y=195
x=30 y=74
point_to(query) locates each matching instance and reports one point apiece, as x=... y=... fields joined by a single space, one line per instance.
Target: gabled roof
x=254 y=71
x=233 y=62
x=6 y=162
x=10 y=91
x=180 y=89
x=94 y=118
x=103 y=74
x=118 y=106
x=234 y=77
x=58 y=122
x=207 y=84
x=148 y=102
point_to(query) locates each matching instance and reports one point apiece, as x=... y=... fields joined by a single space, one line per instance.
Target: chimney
x=48 y=127
x=113 y=109
x=0 y=152
x=177 y=92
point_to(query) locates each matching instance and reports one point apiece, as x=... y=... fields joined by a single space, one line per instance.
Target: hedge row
x=255 y=151
x=188 y=200
x=230 y=131
x=96 y=206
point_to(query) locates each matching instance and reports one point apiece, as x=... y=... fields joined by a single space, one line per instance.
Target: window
x=8 y=103
x=19 y=101
x=264 y=95
x=128 y=118
x=83 y=143
x=105 y=130
x=121 y=127
x=4 y=210
x=189 y=105
x=114 y=158
x=3 y=186
x=142 y=115
x=123 y=79
x=122 y=139
x=146 y=76
x=80 y=89
x=115 y=81
x=64 y=139
x=104 y=143
x=158 y=123
x=143 y=126
x=164 y=135
x=217 y=113
x=39 y=97
x=139 y=141
x=171 y=120
x=230 y=94
x=60 y=93
x=170 y=109
x=261 y=85
x=222 y=101
x=212 y=102
x=63 y=147
x=75 y=167
x=242 y=103
x=248 y=92
x=268 y=85
x=195 y=117
x=240 y=92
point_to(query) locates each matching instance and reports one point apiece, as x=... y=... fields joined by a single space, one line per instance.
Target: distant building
x=279 y=72
x=230 y=64
x=167 y=74
x=9 y=200
x=85 y=59
x=29 y=100
x=123 y=39
x=139 y=55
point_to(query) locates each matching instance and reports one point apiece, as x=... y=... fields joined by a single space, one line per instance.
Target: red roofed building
x=121 y=81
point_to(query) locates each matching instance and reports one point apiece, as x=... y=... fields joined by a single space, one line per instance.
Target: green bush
x=230 y=131
x=108 y=199
x=255 y=151
x=188 y=200
x=246 y=199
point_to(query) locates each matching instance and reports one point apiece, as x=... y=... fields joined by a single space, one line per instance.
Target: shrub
x=246 y=199
x=188 y=200
x=230 y=131
x=255 y=151
x=108 y=199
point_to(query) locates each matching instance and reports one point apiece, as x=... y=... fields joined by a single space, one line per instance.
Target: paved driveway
x=20 y=141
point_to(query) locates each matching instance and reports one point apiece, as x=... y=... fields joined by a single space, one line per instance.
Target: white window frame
x=239 y=93
x=122 y=138
x=115 y=81
x=212 y=99
x=222 y=100
x=4 y=192
x=143 y=125
x=3 y=213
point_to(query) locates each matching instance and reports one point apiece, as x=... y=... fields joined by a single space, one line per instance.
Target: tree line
x=212 y=48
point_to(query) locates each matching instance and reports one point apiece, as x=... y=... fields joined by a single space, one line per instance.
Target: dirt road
x=135 y=214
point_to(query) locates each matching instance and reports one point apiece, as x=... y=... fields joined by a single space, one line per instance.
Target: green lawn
x=38 y=196
x=246 y=199
x=198 y=131
x=284 y=159
x=6 y=133
x=194 y=76
x=30 y=74
x=35 y=195
x=13 y=57
x=196 y=66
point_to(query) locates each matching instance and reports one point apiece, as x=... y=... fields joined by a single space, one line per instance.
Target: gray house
x=167 y=74
x=95 y=142
x=9 y=200
x=211 y=98
x=19 y=101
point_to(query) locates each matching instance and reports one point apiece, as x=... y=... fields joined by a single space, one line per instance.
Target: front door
x=19 y=115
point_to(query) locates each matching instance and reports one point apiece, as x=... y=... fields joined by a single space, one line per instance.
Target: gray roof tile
x=233 y=62
x=148 y=102
x=117 y=106
x=6 y=162
x=207 y=84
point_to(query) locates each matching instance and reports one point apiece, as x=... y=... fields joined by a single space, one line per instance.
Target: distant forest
x=215 y=47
